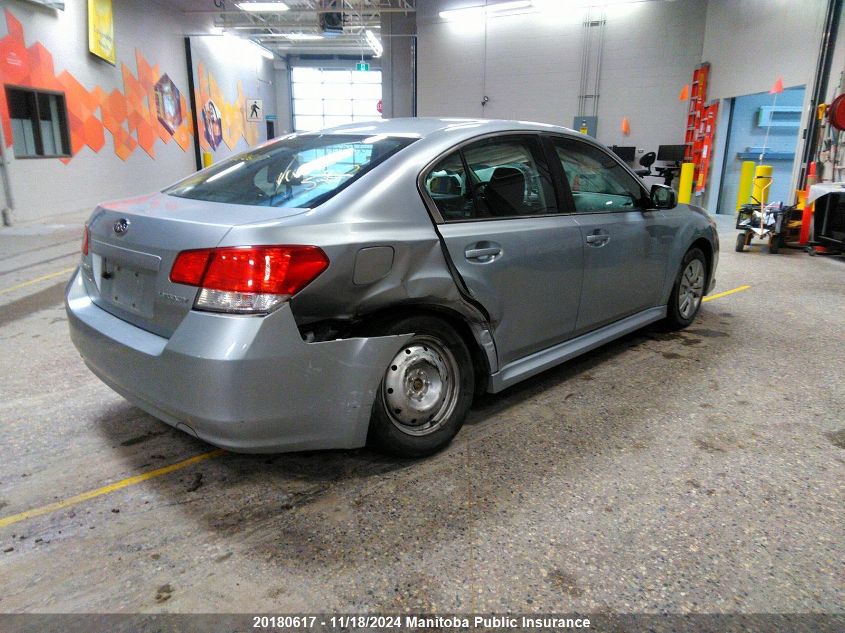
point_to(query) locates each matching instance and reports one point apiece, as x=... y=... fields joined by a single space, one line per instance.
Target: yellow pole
x=685 y=184
x=746 y=176
x=207 y=159
x=762 y=181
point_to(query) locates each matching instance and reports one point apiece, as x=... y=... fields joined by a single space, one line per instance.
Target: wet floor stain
x=163 y=593
x=140 y=439
x=709 y=333
x=3 y=504
x=692 y=341
x=710 y=445
x=566 y=583
x=196 y=483
x=837 y=438
x=671 y=355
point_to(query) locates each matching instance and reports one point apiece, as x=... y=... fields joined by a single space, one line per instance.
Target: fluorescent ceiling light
x=262 y=7
x=374 y=43
x=478 y=11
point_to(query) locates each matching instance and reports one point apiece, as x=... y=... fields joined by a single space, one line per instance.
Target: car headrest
x=507 y=185
x=447 y=185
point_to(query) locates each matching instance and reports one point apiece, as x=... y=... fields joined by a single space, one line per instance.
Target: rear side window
x=300 y=171
x=448 y=188
x=597 y=181
x=500 y=177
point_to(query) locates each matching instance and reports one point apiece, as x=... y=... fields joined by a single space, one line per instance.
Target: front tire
x=426 y=391
x=688 y=291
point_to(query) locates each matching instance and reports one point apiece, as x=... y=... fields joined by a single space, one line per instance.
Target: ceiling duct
x=329 y=19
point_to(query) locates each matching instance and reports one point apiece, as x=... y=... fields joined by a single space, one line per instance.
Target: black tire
x=740 y=242
x=676 y=318
x=774 y=244
x=434 y=341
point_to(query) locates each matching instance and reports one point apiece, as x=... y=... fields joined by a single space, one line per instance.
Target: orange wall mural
x=132 y=117
x=219 y=119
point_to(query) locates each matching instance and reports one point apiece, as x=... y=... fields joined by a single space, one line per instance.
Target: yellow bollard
x=685 y=184
x=746 y=176
x=762 y=182
x=207 y=159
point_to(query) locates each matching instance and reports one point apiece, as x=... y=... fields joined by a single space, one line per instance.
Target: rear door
x=518 y=255
x=626 y=244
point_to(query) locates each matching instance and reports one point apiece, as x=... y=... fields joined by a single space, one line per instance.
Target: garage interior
x=691 y=472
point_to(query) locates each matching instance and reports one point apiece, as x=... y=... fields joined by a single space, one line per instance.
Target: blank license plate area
x=128 y=288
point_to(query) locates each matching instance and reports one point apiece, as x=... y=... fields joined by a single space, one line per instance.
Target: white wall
x=749 y=44
x=46 y=187
x=529 y=66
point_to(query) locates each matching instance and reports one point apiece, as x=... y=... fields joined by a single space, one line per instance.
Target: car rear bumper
x=244 y=383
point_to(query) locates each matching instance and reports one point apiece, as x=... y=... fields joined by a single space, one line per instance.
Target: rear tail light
x=85 y=239
x=249 y=278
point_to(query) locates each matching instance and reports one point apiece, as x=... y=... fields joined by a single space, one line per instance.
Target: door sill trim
x=540 y=361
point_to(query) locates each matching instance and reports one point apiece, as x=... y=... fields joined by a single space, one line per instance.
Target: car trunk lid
x=134 y=242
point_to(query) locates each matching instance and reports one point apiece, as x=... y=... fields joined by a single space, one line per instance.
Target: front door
x=518 y=256
x=626 y=245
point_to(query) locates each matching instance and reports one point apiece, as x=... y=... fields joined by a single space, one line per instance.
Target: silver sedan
x=365 y=282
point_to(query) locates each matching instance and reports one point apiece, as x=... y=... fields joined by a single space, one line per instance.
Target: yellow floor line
x=36 y=280
x=123 y=483
x=726 y=293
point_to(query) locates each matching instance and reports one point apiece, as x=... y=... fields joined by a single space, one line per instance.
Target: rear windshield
x=299 y=171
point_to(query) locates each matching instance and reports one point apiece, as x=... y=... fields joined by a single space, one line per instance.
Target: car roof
x=420 y=127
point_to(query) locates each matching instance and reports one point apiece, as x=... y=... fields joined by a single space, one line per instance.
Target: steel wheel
x=421 y=386
x=691 y=289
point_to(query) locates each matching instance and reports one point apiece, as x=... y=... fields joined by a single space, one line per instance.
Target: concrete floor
x=701 y=471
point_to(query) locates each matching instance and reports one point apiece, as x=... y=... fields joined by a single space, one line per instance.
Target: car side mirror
x=663 y=197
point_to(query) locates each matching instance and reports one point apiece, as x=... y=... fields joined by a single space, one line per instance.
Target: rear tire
x=688 y=291
x=740 y=243
x=426 y=391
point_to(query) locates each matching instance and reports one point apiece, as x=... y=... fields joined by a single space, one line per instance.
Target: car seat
x=505 y=193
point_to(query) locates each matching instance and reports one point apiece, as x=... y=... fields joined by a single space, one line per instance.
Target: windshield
x=299 y=171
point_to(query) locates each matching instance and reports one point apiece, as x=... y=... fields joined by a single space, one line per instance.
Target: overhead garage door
x=327 y=97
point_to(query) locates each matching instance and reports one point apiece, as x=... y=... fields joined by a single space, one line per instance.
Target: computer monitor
x=626 y=152
x=671 y=153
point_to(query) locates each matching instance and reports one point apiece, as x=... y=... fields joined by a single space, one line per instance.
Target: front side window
x=597 y=181
x=300 y=171
x=39 y=123
x=506 y=178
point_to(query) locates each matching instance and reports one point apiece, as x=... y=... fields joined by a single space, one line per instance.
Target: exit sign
x=362 y=66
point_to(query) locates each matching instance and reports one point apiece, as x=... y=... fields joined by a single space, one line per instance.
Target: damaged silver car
x=368 y=280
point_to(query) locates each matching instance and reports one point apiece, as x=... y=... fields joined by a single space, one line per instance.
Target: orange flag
x=777 y=87
x=684 y=93
x=626 y=126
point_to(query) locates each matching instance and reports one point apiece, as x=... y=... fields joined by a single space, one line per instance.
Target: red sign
x=380 y=106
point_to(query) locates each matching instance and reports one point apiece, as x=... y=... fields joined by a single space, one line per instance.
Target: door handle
x=482 y=253
x=598 y=238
